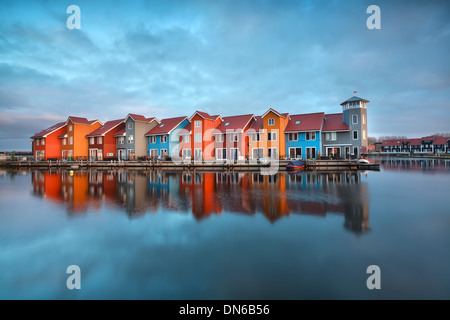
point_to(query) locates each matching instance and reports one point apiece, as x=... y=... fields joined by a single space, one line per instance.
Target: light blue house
x=304 y=136
x=163 y=140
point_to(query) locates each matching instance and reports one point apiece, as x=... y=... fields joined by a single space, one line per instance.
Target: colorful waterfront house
x=102 y=143
x=231 y=139
x=46 y=145
x=303 y=136
x=344 y=134
x=163 y=140
x=201 y=145
x=131 y=141
x=185 y=146
x=267 y=139
x=74 y=145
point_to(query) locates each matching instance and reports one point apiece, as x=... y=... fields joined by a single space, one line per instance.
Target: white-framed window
x=221 y=154
x=99 y=140
x=271 y=136
x=185 y=138
x=186 y=153
x=197 y=123
x=257 y=153
x=272 y=153
x=234 y=137
x=70 y=140
x=121 y=140
x=295 y=153
x=38 y=141
x=163 y=138
x=219 y=137
x=310 y=136
x=197 y=154
x=198 y=137
x=355 y=134
x=43 y=142
x=153 y=153
x=355 y=119
x=130 y=125
x=64 y=141
x=255 y=137
x=70 y=127
x=271 y=122
x=293 y=137
x=330 y=136
x=152 y=139
x=91 y=140
x=130 y=139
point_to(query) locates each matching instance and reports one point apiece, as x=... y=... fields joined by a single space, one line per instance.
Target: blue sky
x=170 y=58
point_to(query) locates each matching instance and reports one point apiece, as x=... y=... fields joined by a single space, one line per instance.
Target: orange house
x=46 y=144
x=267 y=138
x=74 y=144
x=199 y=142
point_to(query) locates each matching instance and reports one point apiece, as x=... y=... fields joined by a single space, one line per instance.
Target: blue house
x=163 y=140
x=303 y=136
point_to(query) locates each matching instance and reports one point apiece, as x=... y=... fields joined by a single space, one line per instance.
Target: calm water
x=185 y=235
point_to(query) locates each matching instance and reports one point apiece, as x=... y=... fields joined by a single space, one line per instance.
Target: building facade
x=101 y=141
x=46 y=145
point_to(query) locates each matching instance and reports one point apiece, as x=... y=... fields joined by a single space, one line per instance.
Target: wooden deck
x=311 y=165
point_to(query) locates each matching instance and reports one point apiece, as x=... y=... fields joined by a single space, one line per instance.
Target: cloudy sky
x=170 y=58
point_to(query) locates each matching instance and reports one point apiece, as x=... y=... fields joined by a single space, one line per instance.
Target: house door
x=234 y=152
x=121 y=154
x=64 y=155
x=93 y=154
x=198 y=154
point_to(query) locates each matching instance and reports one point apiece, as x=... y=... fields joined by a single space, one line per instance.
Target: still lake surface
x=217 y=235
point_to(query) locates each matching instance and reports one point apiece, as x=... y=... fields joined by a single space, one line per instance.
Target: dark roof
x=166 y=125
x=63 y=135
x=109 y=125
x=80 y=120
x=45 y=132
x=334 y=122
x=121 y=132
x=234 y=123
x=186 y=130
x=308 y=122
x=354 y=99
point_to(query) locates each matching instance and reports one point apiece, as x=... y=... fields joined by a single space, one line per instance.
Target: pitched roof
x=80 y=120
x=440 y=140
x=166 y=125
x=63 y=135
x=258 y=125
x=334 y=122
x=121 y=132
x=305 y=122
x=138 y=117
x=283 y=115
x=186 y=130
x=205 y=115
x=393 y=142
x=109 y=125
x=234 y=123
x=354 y=99
x=45 y=132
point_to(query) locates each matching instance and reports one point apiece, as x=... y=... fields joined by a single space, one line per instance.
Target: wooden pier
x=311 y=165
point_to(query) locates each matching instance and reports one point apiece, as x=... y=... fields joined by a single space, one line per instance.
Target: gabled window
x=130 y=125
x=70 y=127
x=197 y=123
x=271 y=122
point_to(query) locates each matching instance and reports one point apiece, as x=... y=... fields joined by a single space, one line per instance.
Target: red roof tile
x=109 y=125
x=234 y=123
x=45 y=132
x=415 y=142
x=121 y=132
x=441 y=140
x=63 y=135
x=283 y=115
x=205 y=115
x=305 y=122
x=258 y=125
x=334 y=122
x=138 y=117
x=393 y=142
x=166 y=126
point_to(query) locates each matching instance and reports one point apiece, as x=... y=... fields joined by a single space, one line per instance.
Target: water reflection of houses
x=207 y=193
x=415 y=164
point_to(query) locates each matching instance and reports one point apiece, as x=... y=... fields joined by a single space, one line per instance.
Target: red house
x=102 y=142
x=230 y=138
x=196 y=139
x=46 y=144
